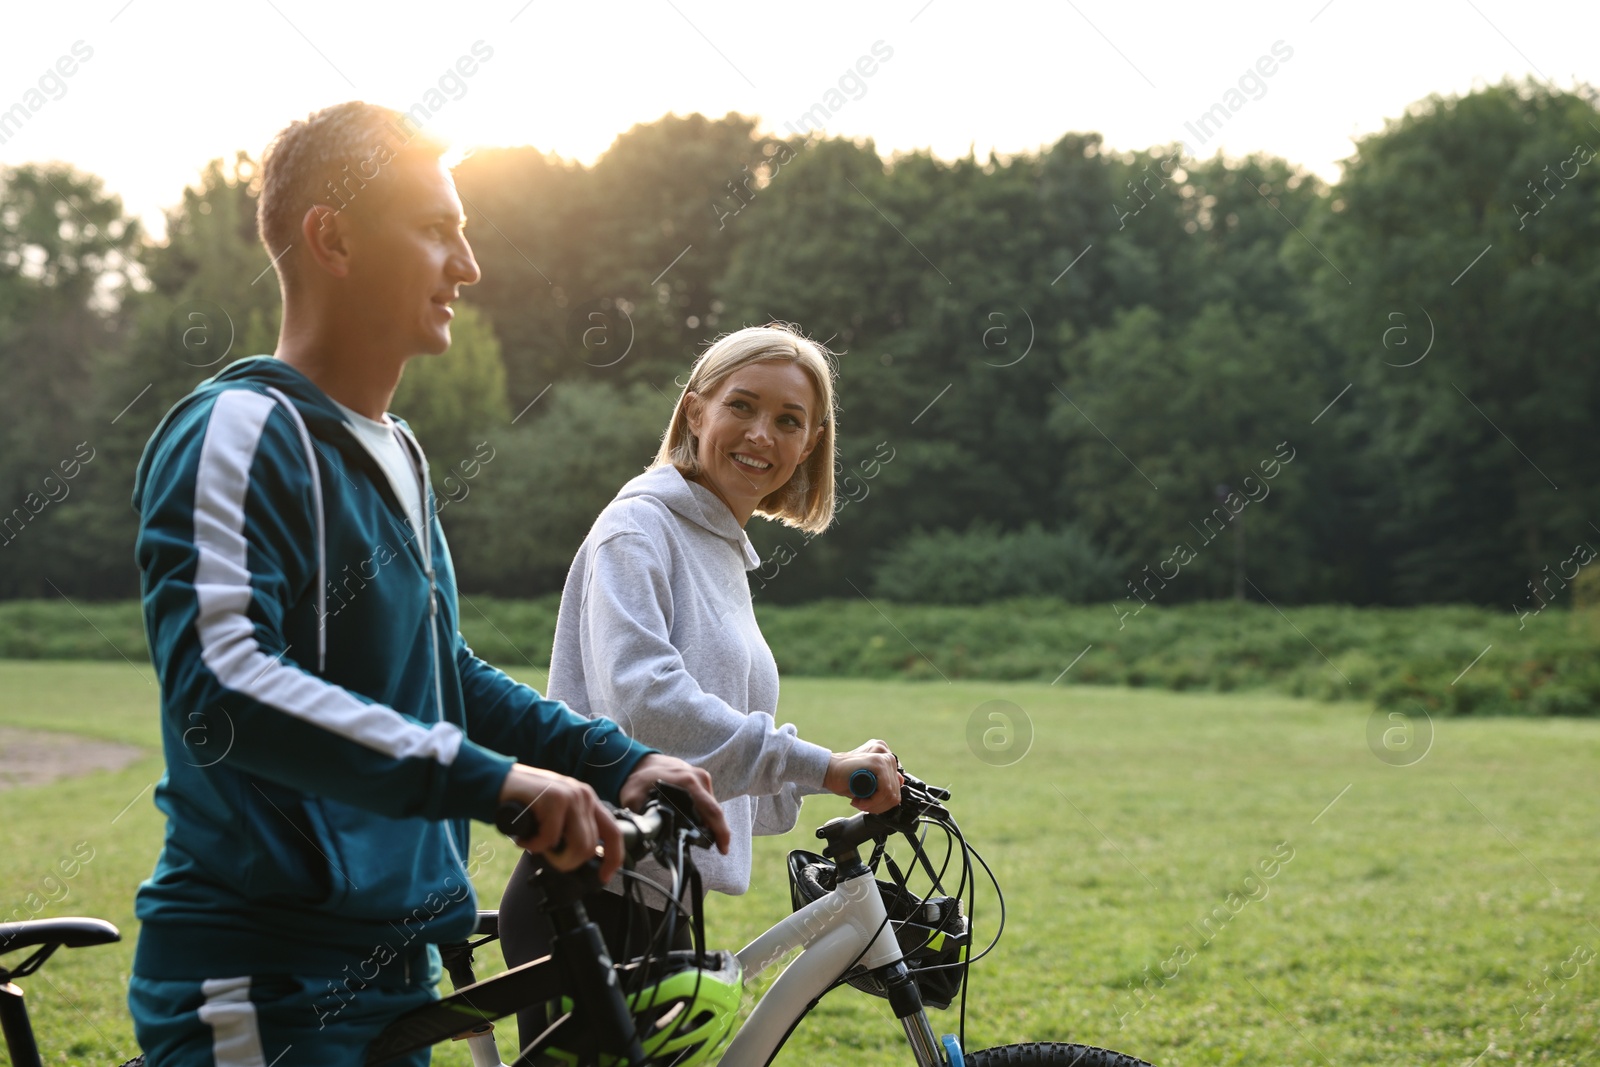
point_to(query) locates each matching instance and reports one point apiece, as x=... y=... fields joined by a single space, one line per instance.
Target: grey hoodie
x=656 y=631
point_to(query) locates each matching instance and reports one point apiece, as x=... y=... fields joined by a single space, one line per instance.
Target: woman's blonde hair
x=806 y=500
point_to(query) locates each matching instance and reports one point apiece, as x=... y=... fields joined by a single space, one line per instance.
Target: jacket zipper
x=419 y=464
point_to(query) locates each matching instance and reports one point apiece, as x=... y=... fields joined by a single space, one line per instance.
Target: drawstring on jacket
x=322 y=537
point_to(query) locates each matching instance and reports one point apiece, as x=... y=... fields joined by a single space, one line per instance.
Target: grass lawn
x=1413 y=914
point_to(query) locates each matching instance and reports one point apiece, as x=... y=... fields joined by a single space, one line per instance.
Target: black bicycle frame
x=578 y=967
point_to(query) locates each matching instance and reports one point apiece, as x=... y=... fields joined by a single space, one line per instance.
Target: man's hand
x=873 y=756
x=657 y=767
x=572 y=821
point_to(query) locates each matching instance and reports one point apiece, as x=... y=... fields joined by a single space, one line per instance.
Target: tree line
x=1101 y=375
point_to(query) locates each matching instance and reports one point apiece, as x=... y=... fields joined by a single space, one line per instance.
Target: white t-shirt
x=382 y=440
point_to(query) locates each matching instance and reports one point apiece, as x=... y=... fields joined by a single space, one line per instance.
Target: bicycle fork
x=905 y=1000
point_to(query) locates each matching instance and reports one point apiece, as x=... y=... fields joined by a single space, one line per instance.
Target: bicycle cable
x=650 y=883
x=937 y=880
x=969 y=850
x=971 y=889
x=664 y=934
x=846 y=976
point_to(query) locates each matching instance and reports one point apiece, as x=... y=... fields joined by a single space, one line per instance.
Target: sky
x=158 y=87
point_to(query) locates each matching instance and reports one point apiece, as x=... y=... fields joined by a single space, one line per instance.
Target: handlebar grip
x=514 y=820
x=637 y=830
x=863 y=783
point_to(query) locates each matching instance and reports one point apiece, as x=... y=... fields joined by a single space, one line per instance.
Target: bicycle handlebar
x=602 y=1015
x=918 y=800
x=864 y=783
x=638 y=831
x=669 y=811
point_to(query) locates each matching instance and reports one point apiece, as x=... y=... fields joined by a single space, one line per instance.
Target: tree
x=1175 y=438
x=67 y=254
x=455 y=400
x=1466 y=241
x=212 y=299
x=1417 y=337
x=539 y=484
x=607 y=273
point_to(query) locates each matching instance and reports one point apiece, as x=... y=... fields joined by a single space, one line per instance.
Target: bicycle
x=678 y=1007
x=579 y=969
x=851 y=928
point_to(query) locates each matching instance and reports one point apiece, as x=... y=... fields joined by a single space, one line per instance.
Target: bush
x=1410 y=659
x=59 y=629
x=983 y=564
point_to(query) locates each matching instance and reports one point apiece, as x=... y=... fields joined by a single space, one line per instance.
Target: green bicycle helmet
x=683 y=1013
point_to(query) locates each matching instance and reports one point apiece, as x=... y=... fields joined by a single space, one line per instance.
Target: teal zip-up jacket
x=328 y=732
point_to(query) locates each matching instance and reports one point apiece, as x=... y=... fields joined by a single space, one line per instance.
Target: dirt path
x=34 y=757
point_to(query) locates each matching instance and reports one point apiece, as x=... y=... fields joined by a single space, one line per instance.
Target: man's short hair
x=338 y=156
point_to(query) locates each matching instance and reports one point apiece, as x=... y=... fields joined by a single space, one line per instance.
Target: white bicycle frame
x=843 y=928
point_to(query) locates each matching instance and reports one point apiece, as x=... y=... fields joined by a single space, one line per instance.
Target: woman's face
x=754 y=430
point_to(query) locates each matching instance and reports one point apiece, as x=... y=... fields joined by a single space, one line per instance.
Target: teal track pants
x=270 y=1020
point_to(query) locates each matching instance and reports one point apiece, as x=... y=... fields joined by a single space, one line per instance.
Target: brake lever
x=686 y=820
x=937 y=793
x=918 y=801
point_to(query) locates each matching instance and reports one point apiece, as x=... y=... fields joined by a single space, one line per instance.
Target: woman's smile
x=753 y=431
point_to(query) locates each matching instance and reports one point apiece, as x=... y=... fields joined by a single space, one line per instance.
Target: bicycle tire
x=1049 y=1054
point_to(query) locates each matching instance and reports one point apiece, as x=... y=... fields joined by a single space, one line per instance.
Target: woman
x=656 y=629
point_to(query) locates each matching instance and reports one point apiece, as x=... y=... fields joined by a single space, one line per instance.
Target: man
x=328 y=732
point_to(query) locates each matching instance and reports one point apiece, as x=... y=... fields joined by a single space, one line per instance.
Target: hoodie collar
x=322 y=416
x=315 y=405
x=695 y=503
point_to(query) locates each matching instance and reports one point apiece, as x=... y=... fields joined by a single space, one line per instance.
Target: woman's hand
x=572 y=821
x=659 y=767
x=873 y=756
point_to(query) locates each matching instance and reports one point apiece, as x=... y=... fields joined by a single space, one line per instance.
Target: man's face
x=410 y=258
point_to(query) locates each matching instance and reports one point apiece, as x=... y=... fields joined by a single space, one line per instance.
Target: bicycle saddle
x=72 y=933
